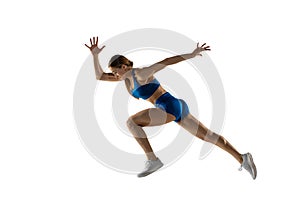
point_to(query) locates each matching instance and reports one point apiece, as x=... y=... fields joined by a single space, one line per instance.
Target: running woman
x=141 y=83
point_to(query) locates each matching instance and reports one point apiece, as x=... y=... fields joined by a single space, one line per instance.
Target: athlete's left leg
x=191 y=124
x=195 y=127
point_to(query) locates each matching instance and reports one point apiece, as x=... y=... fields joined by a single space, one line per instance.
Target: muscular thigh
x=193 y=125
x=152 y=117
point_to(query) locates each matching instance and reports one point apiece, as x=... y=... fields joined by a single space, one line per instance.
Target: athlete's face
x=120 y=71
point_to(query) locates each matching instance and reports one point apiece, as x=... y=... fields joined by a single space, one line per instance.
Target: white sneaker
x=249 y=165
x=150 y=167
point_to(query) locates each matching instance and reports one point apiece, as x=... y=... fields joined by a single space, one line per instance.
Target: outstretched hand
x=198 y=50
x=94 y=46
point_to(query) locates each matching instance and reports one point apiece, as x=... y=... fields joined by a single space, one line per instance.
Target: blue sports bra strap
x=134 y=79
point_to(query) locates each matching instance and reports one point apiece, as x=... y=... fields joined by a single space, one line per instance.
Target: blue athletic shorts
x=172 y=105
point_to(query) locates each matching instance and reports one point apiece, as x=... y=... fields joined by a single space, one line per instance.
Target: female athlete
x=141 y=83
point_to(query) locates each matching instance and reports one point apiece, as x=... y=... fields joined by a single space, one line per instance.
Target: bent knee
x=133 y=122
x=130 y=122
x=137 y=121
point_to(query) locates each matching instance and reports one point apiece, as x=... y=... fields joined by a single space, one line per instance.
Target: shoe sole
x=253 y=167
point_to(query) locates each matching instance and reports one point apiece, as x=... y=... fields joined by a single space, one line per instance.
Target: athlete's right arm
x=100 y=75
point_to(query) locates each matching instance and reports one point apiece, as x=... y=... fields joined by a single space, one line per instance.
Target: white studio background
x=254 y=47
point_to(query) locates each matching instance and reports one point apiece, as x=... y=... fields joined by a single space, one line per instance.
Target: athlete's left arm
x=152 y=69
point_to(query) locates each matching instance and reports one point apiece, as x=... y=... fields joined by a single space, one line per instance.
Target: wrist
x=192 y=55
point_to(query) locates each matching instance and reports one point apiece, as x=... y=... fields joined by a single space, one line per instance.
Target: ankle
x=151 y=156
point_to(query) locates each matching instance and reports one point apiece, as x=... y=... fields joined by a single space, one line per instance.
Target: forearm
x=177 y=59
x=98 y=69
x=149 y=71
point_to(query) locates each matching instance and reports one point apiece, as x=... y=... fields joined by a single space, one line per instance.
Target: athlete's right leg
x=148 y=117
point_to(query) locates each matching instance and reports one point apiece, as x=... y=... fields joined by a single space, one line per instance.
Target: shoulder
x=142 y=74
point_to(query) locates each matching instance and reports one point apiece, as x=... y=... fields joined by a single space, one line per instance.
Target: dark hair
x=119 y=60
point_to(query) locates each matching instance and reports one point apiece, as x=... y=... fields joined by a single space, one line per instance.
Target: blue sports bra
x=143 y=91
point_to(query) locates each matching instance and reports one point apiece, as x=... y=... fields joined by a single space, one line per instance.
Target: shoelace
x=147 y=164
x=244 y=165
x=247 y=167
x=241 y=168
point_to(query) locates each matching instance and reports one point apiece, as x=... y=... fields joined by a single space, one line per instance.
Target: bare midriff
x=158 y=92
